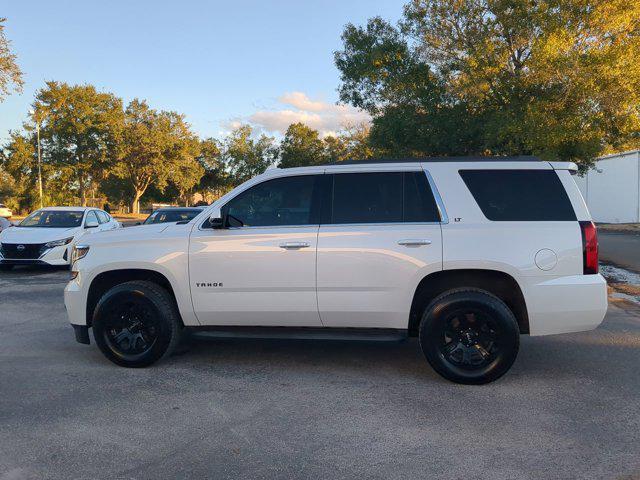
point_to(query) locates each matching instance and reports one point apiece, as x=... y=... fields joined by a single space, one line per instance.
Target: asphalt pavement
x=620 y=249
x=276 y=409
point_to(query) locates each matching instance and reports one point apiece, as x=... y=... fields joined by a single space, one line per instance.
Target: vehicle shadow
x=335 y=358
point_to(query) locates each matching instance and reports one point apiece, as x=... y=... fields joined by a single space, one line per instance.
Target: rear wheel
x=136 y=324
x=469 y=336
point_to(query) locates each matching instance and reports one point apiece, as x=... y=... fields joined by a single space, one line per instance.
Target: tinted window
x=386 y=197
x=281 y=201
x=171 y=216
x=53 y=219
x=102 y=217
x=419 y=203
x=519 y=195
x=91 y=218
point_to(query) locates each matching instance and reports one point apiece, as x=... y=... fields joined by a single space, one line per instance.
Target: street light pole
x=37 y=122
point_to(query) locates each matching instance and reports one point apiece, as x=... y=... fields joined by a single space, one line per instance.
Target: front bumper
x=56 y=256
x=82 y=334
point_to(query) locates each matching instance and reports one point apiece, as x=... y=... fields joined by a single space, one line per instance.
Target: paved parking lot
x=274 y=409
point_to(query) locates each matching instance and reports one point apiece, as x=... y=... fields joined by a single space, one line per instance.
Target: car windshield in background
x=170 y=216
x=53 y=219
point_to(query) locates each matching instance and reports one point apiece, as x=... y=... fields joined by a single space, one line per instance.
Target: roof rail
x=478 y=158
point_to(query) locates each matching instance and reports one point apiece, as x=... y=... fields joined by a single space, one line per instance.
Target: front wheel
x=136 y=324
x=469 y=336
x=6 y=268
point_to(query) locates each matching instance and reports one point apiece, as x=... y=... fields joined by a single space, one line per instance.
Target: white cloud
x=295 y=107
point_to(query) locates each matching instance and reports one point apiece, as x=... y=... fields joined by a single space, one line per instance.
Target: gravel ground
x=281 y=409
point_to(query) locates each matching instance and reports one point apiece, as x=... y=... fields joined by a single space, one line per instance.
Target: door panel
x=367 y=274
x=255 y=276
x=369 y=267
x=263 y=270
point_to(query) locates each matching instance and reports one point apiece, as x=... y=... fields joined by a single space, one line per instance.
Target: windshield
x=53 y=219
x=170 y=216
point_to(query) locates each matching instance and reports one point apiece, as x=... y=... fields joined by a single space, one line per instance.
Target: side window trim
x=444 y=218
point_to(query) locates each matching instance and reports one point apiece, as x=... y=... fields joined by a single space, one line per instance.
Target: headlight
x=59 y=243
x=79 y=251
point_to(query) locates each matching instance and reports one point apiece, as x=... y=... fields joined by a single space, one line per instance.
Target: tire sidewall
x=431 y=329
x=146 y=297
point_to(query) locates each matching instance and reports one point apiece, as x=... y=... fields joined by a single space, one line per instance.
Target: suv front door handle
x=414 y=242
x=294 y=245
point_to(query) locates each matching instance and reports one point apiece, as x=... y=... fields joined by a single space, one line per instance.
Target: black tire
x=136 y=323
x=469 y=336
x=6 y=268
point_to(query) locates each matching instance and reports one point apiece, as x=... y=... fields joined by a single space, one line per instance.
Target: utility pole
x=37 y=122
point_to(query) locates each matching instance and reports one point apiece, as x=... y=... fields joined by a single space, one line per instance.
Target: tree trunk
x=135 y=204
x=82 y=189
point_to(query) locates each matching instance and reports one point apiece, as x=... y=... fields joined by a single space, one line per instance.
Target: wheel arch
x=499 y=283
x=110 y=278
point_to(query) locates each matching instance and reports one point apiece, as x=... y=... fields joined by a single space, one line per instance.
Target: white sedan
x=47 y=236
x=4 y=224
x=5 y=212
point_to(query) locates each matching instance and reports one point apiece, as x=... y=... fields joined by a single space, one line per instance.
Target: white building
x=612 y=188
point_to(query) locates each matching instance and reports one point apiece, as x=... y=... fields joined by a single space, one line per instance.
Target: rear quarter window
x=519 y=195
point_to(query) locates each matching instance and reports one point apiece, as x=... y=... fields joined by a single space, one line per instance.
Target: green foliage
x=79 y=131
x=557 y=79
x=156 y=147
x=19 y=163
x=245 y=157
x=301 y=146
x=10 y=73
x=215 y=179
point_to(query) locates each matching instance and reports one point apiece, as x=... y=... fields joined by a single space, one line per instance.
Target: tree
x=334 y=149
x=246 y=157
x=79 y=131
x=19 y=163
x=155 y=147
x=215 y=179
x=301 y=146
x=557 y=79
x=10 y=73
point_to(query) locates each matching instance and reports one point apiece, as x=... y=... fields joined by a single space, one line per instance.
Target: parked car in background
x=465 y=254
x=5 y=212
x=4 y=224
x=47 y=236
x=173 y=214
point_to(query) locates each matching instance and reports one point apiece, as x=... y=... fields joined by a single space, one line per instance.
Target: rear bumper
x=566 y=304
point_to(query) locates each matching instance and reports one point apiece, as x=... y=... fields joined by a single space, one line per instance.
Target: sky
x=221 y=63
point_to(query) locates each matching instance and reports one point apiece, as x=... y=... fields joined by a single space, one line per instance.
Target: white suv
x=465 y=254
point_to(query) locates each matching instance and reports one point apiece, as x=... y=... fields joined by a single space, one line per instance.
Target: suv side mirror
x=90 y=223
x=216 y=219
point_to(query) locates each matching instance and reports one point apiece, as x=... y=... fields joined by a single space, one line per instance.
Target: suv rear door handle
x=294 y=245
x=414 y=242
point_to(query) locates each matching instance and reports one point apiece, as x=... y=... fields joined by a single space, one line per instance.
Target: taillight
x=589 y=248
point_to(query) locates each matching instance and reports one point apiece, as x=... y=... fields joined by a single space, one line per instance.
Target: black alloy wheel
x=469 y=336
x=136 y=324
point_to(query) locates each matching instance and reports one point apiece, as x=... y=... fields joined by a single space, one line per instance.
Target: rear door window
x=382 y=197
x=519 y=195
